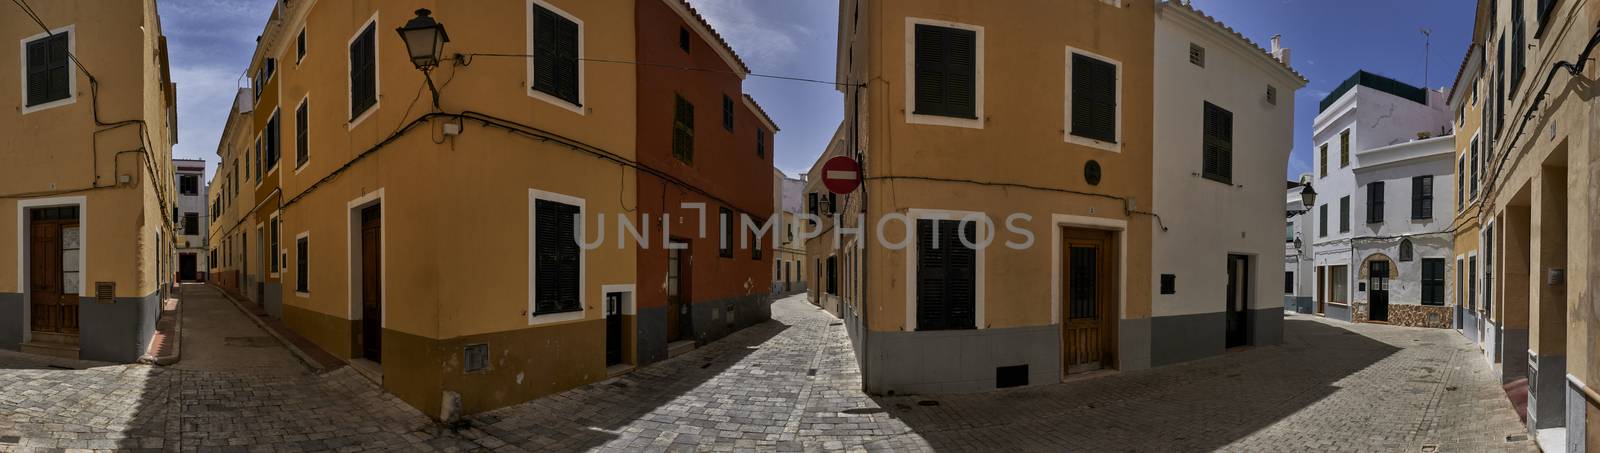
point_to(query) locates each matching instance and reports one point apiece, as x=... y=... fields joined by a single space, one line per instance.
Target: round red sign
x=841 y=175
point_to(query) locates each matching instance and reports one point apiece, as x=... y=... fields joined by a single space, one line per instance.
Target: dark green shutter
x=1094 y=99
x=363 y=73
x=946 y=71
x=556 y=258
x=1217 y=144
x=946 y=276
x=555 y=55
x=48 y=77
x=301 y=122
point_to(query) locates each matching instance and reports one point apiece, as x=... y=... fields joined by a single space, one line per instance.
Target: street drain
x=10 y=439
x=1516 y=438
x=862 y=411
x=928 y=403
x=250 y=342
x=835 y=324
x=1451 y=388
x=1430 y=448
x=811 y=372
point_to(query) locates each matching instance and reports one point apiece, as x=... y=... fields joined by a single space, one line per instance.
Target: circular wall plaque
x=1091 y=172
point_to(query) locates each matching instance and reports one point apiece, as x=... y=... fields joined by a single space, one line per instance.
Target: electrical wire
x=1126 y=202
x=466 y=60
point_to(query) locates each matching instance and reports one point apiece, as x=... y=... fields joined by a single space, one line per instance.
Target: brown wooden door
x=372 y=284
x=1321 y=298
x=678 y=316
x=52 y=283
x=1088 y=315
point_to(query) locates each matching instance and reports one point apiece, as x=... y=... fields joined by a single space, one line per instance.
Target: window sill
x=574 y=107
x=1219 y=179
x=944 y=120
x=1112 y=146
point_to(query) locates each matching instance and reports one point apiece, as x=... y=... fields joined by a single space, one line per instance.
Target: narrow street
x=788 y=385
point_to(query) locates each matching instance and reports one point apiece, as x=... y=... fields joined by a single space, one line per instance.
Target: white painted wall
x=197 y=204
x=1377 y=121
x=1207 y=220
x=1396 y=166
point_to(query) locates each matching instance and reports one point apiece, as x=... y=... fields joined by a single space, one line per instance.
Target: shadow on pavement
x=1194 y=406
x=592 y=415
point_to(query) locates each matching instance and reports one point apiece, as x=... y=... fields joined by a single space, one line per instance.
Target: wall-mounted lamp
x=425 y=40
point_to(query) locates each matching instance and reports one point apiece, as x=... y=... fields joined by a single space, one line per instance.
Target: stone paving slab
x=793 y=385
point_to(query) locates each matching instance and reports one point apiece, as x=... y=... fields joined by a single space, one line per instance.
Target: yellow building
x=1465 y=101
x=961 y=111
x=1538 y=214
x=87 y=180
x=789 y=257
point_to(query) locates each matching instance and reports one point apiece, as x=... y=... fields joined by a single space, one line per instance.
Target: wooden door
x=1378 y=291
x=1238 y=300
x=372 y=283
x=1089 y=316
x=678 y=316
x=53 y=283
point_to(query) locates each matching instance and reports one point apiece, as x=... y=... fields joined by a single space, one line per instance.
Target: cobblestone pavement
x=793 y=384
x=259 y=400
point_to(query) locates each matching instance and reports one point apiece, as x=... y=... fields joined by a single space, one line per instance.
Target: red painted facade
x=726 y=170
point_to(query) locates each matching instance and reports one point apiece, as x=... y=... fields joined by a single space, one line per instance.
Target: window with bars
x=1422 y=197
x=683 y=131
x=48 y=72
x=1197 y=55
x=1375 y=202
x=946 y=275
x=1094 y=98
x=555 y=55
x=189 y=184
x=363 y=72
x=1407 y=250
x=946 y=71
x=557 y=258
x=1217 y=144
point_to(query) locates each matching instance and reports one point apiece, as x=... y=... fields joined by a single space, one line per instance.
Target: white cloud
x=205 y=96
x=760 y=39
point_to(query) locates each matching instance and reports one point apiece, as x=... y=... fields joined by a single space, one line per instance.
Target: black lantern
x=1308 y=196
x=424 y=39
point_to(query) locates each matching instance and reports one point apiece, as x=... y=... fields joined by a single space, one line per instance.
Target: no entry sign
x=841 y=175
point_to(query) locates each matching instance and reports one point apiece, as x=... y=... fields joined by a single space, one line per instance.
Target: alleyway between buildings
x=790 y=384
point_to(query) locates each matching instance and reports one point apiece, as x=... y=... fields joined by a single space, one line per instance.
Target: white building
x=1372 y=121
x=1224 y=122
x=192 y=219
x=1297 y=258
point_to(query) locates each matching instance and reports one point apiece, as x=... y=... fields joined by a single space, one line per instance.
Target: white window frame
x=299 y=57
x=1066 y=104
x=914 y=214
x=527 y=10
x=377 y=79
x=23 y=287
x=276 y=270
x=299 y=166
x=534 y=195
x=911 y=76
x=306 y=236
x=353 y=259
x=72 y=69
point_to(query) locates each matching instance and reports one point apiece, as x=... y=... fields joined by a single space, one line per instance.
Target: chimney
x=1278 y=51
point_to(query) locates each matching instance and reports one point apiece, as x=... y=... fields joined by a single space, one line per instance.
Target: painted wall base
x=1577 y=418
x=11 y=312
x=1176 y=339
x=712 y=320
x=1469 y=325
x=1513 y=354
x=1547 y=391
x=959 y=361
x=1134 y=344
x=118 y=331
x=272 y=302
x=1335 y=311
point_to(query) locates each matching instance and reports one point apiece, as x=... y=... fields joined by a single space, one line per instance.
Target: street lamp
x=1308 y=196
x=424 y=39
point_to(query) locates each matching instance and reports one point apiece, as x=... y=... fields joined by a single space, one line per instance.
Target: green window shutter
x=557 y=259
x=1094 y=98
x=555 y=55
x=1217 y=144
x=47 y=71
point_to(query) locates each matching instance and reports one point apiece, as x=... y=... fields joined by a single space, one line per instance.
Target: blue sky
x=211 y=41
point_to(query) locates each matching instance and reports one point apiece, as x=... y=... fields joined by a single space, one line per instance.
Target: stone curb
x=298 y=354
x=176 y=337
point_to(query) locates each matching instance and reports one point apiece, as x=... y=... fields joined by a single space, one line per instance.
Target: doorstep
x=165 y=341
x=371 y=370
x=618 y=370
